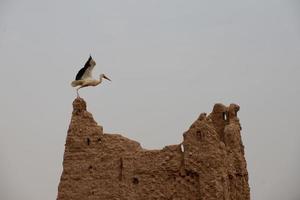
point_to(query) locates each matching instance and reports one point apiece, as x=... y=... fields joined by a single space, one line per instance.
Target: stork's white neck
x=101 y=78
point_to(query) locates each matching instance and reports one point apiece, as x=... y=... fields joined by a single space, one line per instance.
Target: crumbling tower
x=209 y=163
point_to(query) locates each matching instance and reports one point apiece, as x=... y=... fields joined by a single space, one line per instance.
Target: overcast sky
x=169 y=60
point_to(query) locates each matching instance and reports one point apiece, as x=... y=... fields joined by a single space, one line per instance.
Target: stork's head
x=103 y=76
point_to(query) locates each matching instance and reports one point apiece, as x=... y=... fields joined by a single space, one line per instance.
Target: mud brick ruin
x=208 y=164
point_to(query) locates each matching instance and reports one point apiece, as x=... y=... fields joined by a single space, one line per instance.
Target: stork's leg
x=78 y=92
x=79 y=88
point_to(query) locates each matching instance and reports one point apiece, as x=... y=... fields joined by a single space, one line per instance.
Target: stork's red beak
x=106 y=77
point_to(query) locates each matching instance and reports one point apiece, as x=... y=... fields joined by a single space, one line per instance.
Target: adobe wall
x=209 y=163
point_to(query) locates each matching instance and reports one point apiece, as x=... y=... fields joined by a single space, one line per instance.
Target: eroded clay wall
x=208 y=164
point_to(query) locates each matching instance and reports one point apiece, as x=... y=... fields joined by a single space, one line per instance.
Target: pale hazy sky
x=169 y=61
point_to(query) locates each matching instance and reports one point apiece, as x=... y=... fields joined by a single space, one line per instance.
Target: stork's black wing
x=80 y=73
x=86 y=70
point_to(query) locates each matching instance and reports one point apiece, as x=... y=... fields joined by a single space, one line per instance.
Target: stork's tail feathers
x=75 y=83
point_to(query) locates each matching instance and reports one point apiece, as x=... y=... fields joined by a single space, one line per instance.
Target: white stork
x=84 y=76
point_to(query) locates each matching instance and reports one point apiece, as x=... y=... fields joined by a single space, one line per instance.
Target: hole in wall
x=224 y=116
x=135 y=180
x=182 y=148
x=88 y=141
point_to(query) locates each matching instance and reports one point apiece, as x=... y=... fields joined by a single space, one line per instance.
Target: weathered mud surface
x=209 y=164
